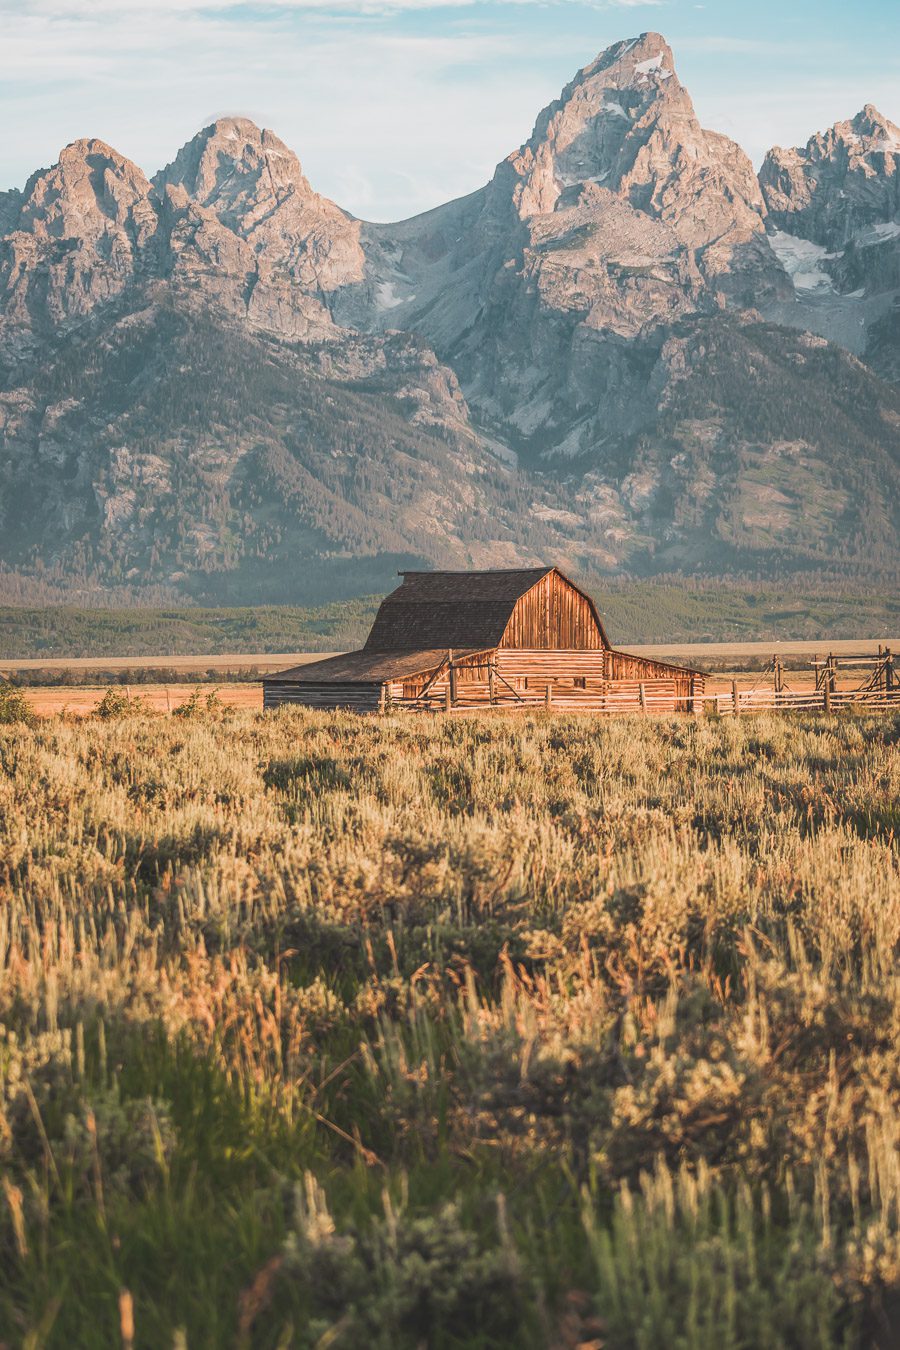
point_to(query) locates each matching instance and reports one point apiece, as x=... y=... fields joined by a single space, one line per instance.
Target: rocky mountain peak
x=626 y=126
x=91 y=183
x=75 y=236
x=843 y=181
x=238 y=170
x=248 y=233
x=586 y=136
x=870 y=122
x=619 y=215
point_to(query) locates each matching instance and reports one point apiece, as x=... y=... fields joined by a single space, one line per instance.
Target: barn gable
x=554 y=615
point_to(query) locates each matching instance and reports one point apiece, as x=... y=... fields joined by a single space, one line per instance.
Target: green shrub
x=116 y=703
x=14 y=706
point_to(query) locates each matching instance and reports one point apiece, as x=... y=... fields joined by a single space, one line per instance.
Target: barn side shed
x=468 y=639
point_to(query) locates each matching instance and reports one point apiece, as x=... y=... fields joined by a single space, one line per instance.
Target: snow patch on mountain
x=878 y=234
x=387 y=297
x=802 y=260
x=653 y=68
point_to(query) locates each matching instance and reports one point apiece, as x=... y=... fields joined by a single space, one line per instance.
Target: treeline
x=60 y=631
x=633 y=611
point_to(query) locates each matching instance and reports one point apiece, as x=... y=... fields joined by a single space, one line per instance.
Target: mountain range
x=627 y=352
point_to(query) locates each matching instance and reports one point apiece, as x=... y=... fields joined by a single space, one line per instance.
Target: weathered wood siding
x=622 y=666
x=553 y=614
x=357 y=697
x=432 y=687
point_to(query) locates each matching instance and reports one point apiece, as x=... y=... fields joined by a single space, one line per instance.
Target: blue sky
x=395 y=107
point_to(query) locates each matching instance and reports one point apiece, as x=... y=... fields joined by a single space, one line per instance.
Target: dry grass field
x=320 y=1031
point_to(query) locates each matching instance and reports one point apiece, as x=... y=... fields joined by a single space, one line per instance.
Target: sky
x=394 y=106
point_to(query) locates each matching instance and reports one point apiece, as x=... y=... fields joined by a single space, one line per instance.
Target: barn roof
x=450 y=609
x=367 y=667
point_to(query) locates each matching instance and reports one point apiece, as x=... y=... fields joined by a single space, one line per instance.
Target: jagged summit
x=618 y=215
x=843 y=181
x=236 y=168
x=239 y=193
x=626 y=126
x=869 y=130
x=870 y=122
x=86 y=167
x=648 y=54
x=74 y=236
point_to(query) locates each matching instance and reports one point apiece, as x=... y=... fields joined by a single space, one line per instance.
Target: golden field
x=320 y=1031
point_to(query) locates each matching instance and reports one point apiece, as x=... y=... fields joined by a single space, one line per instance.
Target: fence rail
x=649 y=701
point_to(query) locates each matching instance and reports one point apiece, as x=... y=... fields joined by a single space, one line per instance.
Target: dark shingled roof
x=366 y=667
x=450 y=609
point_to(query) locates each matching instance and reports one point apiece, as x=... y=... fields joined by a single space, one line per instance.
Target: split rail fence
x=650 y=699
x=878 y=691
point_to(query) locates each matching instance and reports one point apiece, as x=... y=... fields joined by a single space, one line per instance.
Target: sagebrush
x=538 y=1032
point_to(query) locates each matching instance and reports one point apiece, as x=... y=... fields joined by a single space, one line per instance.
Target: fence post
x=548 y=696
x=888 y=670
x=779 y=682
x=694 y=695
x=490 y=684
x=382 y=699
x=826 y=696
x=448 y=699
x=642 y=694
x=735 y=699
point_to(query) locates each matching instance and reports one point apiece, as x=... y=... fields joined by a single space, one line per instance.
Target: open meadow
x=321 y=1031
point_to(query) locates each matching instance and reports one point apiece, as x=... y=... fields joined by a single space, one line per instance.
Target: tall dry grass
x=320 y=1031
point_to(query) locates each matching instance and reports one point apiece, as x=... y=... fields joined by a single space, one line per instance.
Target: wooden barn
x=462 y=640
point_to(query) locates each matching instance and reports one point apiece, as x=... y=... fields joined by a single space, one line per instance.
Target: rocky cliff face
x=245 y=228
x=834 y=216
x=844 y=183
x=73 y=239
x=619 y=215
x=232 y=221
x=218 y=381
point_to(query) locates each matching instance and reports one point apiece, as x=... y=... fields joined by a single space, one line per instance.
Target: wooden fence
x=809 y=700
x=662 y=696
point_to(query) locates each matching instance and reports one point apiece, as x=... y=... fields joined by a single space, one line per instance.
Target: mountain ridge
x=527 y=371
